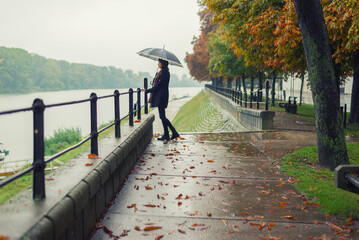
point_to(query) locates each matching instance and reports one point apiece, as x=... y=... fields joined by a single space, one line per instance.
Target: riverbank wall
x=252 y=119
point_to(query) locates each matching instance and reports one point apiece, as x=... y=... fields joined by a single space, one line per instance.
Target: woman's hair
x=164 y=64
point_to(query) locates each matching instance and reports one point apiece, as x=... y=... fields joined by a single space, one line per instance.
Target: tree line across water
x=23 y=72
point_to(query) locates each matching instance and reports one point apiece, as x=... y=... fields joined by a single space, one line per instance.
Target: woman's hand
x=142 y=89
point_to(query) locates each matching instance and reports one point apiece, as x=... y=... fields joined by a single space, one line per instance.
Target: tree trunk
x=328 y=120
x=301 y=90
x=260 y=85
x=244 y=82
x=273 y=89
x=354 y=104
x=229 y=82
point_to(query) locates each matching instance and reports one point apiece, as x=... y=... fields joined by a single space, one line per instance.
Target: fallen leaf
x=179 y=203
x=151 y=228
x=88 y=164
x=93 y=156
x=210 y=161
x=159 y=237
x=245 y=214
x=334 y=226
x=137 y=228
x=223 y=181
x=181 y=231
x=148 y=188
x=150 y=205
x=4 y=237
x=49 y=179
x=132 y=206
x=209 y=214
x=349 y=223
x=198 y=225
x=289 y=217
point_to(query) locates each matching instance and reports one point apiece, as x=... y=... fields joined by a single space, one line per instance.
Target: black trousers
x=165 y=122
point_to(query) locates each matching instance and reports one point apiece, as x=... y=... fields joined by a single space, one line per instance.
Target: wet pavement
x=215 y=186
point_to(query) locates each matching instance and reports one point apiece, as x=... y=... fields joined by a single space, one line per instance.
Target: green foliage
x=22 y=72
x=317 y=183
x=63 y=138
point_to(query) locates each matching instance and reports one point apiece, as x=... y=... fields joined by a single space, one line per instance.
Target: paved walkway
x=215 y=186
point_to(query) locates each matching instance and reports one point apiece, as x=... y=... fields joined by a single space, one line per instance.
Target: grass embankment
x=198 y=115
x=316 y=182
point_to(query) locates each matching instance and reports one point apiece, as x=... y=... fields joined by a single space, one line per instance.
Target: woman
x=160 y=99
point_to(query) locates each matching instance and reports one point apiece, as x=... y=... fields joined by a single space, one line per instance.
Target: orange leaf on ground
x=223 y=181
x=210 y=161
x=137 y=121
x=179 y=203
x=159 y=237
x=149 y=205
x=254 y=224
x=209 y=214
x=245 y=214
x=4 y=237
x=349 y=223
x=148 y=188
x=198 y=225
x=181 y=231
x=151 y=228
x=88 y=164
x=92 y=156
x=137 y=228
x=289 y=217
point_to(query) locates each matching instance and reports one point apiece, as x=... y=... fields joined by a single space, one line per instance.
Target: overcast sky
x=100 y=32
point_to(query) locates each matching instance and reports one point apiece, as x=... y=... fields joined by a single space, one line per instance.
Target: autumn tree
x=330 y=134
x=342 y=18
x=198 y=61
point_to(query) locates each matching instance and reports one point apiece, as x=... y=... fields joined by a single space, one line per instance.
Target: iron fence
x=242 y=98
x=38 y=108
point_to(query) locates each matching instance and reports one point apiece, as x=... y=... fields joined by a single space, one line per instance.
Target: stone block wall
x=252 y=119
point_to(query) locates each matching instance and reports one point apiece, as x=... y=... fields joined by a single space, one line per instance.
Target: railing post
x=94 y=134
x=130 y=107
x=245 y=99
x=251 y=100
x=258 y=92
x=146 y=100
x=267 y=95
x=39 y=159
x=345 y=116
x=241 y=98
x=117 y=114
x=138 y=104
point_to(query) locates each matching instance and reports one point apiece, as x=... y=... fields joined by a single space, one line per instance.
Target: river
x=16 y=130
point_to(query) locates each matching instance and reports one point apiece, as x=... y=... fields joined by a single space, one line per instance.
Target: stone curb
x=75 y=216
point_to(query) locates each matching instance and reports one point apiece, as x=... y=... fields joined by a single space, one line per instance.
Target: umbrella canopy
x=160 y=53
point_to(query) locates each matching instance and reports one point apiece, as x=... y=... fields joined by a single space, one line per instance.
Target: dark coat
x=160 y=90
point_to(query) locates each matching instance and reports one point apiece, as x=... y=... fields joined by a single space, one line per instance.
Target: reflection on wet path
x=215 y=186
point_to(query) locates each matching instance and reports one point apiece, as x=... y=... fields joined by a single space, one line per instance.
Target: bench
x=290 y=106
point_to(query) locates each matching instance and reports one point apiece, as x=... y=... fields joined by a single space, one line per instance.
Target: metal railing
x=346 y=177
x=38 y=107
x=242 y=98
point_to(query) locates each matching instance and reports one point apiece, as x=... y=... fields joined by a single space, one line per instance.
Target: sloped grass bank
x=317 y=183
x=198 y=115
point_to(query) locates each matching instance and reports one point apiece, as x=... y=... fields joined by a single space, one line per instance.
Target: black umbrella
x=160 y=53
